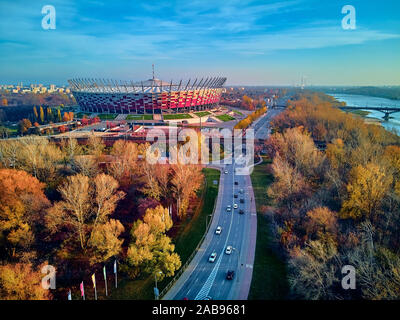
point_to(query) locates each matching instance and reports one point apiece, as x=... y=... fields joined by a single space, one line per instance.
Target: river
x=368 y=101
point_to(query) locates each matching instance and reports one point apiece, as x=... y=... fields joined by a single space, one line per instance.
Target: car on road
x=235 y=196
x=235 y=206
x=218 y=230
x=212 y=257
x=236 y=183
x=241 y=200
x=228 y=208
x=230 y=275
x=226 y=171
x=241 y=211
x=241 y=191
x=228 y=250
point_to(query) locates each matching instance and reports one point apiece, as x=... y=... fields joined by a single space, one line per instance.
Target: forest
x=81 y=207
x=336 y=206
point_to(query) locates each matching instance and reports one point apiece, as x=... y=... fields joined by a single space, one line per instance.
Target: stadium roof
x=147 y=86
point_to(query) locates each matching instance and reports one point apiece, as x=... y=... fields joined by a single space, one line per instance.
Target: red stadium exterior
x=146 y=97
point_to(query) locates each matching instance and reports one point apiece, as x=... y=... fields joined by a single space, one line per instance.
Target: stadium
x=151 y=96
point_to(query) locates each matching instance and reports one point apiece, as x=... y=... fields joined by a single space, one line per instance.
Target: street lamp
x=156 y=293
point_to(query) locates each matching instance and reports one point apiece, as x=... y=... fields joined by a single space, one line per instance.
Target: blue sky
x=249 y=42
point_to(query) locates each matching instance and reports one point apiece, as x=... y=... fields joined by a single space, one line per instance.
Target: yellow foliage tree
x=366 y=189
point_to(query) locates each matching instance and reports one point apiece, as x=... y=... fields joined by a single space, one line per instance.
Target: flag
x=69 y=295
x=105 y=279
x=115 y=272
x=94 y=286
x=82 y=289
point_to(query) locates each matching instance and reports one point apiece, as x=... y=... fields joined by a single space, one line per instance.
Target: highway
x=203 y=279
x=207 y=279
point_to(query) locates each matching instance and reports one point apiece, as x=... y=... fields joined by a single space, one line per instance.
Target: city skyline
x=249 y=42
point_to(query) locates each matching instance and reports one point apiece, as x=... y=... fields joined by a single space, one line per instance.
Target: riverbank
x=372 y=116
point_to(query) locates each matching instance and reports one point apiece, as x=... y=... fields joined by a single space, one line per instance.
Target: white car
x=228 y=250
x=235 y=206
x=226 y=171
x=228 y=208
x=212 y=257
x=241 y=191
x=218 y=230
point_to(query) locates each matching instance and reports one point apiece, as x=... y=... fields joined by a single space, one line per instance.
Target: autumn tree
x=313 y=271
x=83 y=215
x=124 y=166
x=41 y=114
x=290 y=187
x=22 y=281
x=151 y=251
x=23 y=126
x=156 y=180
x=95 y=146
x=186 y=180
x=70 y=149
x=59 y=118
x=39 y=157
x=35 y=113
x=4 y=132
x=366 y=189
x=321 y=220
x=21 y=204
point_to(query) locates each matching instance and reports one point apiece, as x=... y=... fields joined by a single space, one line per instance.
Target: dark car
x=236 y=183
x=241 y=200
x=235 y=196
x=241 y=211
x=230 y=275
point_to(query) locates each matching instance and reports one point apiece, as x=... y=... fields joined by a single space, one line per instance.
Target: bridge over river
x=386 y=110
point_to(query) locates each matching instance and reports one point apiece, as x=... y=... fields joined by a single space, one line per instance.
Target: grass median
x=225 y=117
x=186 y=239
x=177 y=116
x=139 y=117
x=269 y=280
